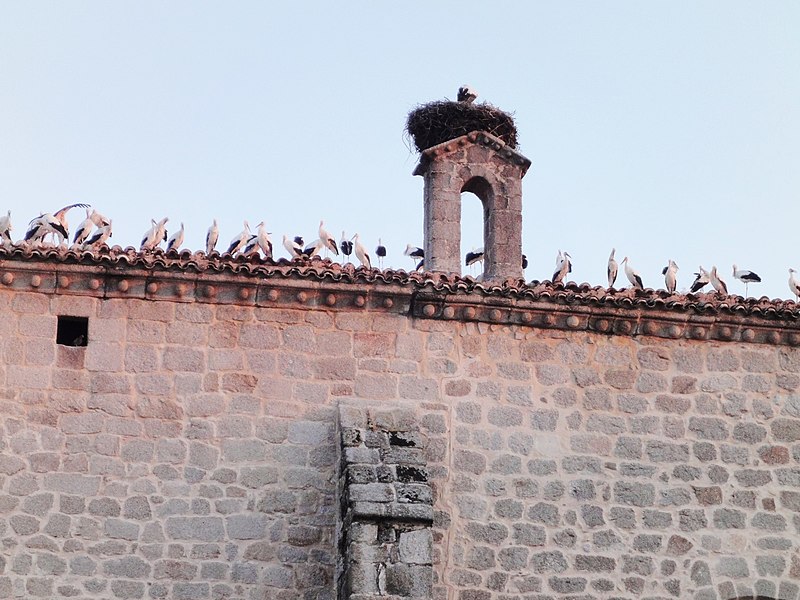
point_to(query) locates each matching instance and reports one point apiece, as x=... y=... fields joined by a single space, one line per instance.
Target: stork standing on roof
x=176 y=240
x=5 y=229
x=701 y=280
x=328 y=241
x=83 y=230
x=745 y=277
x=211 y=237
x=292 y=247
x=380 y=252
x=361 y=253
x=670 y=274
x=717 y=283
x=98 y=219
x=417 y=255
x=346 y=246
x=613 y=268
x=563 y=266
x=99 y=237
x=238 y=242
x=632 y=274
x=473 y=257
x=155 y=235
x=264 y=241
x=794 y=285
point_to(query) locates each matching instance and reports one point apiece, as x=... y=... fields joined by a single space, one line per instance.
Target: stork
x=670 y=274
x=5 y=228
x=701 y=280
x=745 y=277
x=238 y=242
x=613 y=268
x=794 y=285
x=176 y=240
x=717 y=283
x=473 y=257
x=328 y=241
x=211 y=237
x=466 y=94
x=361 y=253
x=83 y=230
x=263 y=240
x=155 y=235
x=380 y=252
x=563 y=266
x=346 y=246
x=292 y=247
x=99 y=238
x=632 y=274
x=415 y=253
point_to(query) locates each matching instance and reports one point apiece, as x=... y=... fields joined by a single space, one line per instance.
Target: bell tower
x=485 y=165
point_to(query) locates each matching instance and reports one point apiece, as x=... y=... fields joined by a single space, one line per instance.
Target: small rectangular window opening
x=72 y=331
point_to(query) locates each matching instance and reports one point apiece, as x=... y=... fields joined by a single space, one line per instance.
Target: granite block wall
x=189 y=451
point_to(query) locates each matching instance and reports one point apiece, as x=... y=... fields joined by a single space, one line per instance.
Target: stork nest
x=438 y=122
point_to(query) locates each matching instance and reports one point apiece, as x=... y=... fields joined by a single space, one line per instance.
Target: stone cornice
x=194 y=277
x=482 y=138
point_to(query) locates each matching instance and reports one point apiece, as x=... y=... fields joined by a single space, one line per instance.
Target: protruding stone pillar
x=484 y=165
x=385 y=545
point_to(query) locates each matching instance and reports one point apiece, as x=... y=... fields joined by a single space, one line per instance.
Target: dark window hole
x=72 y=331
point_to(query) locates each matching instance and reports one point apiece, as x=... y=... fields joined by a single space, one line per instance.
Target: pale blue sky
x=666 y=129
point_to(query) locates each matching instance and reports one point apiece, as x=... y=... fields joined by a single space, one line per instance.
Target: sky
x=665 y=129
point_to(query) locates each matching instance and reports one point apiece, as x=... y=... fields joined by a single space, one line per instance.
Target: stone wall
x=189 y=451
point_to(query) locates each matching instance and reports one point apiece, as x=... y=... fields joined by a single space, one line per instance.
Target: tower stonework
x=486 y=166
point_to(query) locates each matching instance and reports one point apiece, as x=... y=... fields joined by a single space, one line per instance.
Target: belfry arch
x=484 y=165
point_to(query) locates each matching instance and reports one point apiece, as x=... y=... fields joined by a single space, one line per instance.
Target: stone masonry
x=189 y=451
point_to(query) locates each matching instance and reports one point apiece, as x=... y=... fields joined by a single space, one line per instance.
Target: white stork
x=328 y=241
x=717 y=283
x=83 y=230
x=176 y=240
x=5 y=229
x=745 y=277
x=380 y=252
x=794 y=285
x=211 y=237
x=632 y=274
x=670 y=274
x=346 y=246
x=99 y=238
x=701 y=280
x=361 y=253
x=293 y=248
x=563 y=266
x=613 y=268
x=415 y=253
x=155 y=235
x=263 y=240
x=240 y=240
x=466 y=94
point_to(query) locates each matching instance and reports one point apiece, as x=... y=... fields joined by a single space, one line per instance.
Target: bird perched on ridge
x=346 y=246
x=632 y=274
x=415 y=253
x=475 y=256
x=563 y=266
x=613 y=268
x=701 y=280
x=361 y=253
x=670 y=274
x=211 y=237
x=717 y=283
x=263 y=240
x=83 y=230
x=466 y=94
x=794 y=285
x=327 y=240
x=745 y=277
x=99 y=237
x=176 y=240
x=380 y=252
x=62 y=233
x=238 y=242
x=5 y=229
x=155 y=235
x=292 y=247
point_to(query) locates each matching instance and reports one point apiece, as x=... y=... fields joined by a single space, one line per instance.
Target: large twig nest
x=438 y=122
